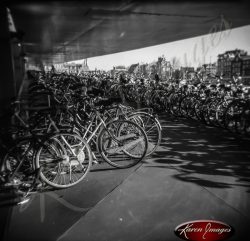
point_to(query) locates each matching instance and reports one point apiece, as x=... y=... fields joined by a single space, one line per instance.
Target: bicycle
x=69 y=151
x=121 y=143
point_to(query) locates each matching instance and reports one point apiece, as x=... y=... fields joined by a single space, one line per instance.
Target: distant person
x=53 y=69
x=157 y=79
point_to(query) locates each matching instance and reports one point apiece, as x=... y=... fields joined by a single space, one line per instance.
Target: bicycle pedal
x=26 y=184
x=12 y=184
x=39 y=185
x=95 y=162
x=25 y=200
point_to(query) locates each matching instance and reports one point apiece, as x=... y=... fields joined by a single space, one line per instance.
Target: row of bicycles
x=61 y=128
x=221 y=106
x=65 y=124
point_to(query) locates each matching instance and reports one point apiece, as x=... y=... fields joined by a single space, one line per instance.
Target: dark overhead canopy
x=63 y=31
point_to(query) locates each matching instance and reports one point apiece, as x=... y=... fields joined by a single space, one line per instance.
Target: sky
x=190 y=52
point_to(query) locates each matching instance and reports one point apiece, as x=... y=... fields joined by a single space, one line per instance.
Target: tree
x=175 y=63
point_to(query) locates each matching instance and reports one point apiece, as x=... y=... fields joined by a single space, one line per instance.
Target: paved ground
x=198 y=172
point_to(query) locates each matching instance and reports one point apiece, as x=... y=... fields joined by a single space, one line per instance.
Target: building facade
x=133 y=69
x=234 y=63
x=246 y=70
x=163 y=68
x=187 y=73
x=210 y=69
x=118 y=70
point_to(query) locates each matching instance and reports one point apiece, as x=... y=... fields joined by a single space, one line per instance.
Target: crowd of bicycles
x=65 y=123
x=221 y=105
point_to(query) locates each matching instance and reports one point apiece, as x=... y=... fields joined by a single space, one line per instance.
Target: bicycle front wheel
x=122 y=143
x=64 y=160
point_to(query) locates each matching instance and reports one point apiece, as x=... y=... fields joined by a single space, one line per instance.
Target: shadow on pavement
x=207 y=156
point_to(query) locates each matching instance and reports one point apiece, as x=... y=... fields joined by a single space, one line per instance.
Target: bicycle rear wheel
x=152 y=128
x=122 y=143
x=64 y=160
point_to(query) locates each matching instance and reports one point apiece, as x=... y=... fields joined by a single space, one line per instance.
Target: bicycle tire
x=152 y=128
x=68 y=165
x=132 y=147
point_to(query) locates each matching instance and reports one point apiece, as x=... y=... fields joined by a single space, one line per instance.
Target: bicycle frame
x=96 y=115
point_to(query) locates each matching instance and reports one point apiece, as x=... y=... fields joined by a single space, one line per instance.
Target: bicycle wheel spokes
x=151 y=127
x=65 y=160
x=123 y=144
